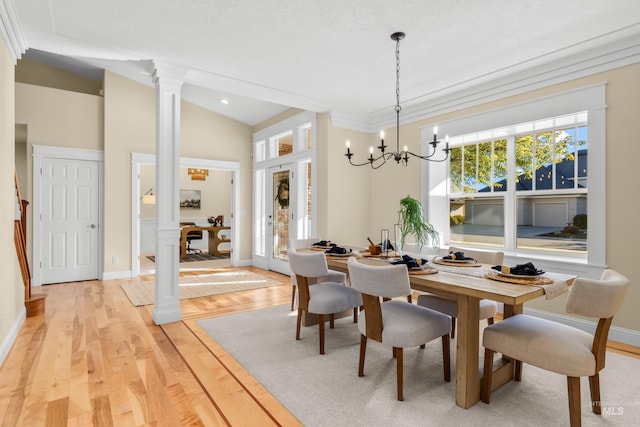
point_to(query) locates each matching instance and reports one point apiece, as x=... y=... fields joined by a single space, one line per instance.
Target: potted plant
x=411 y=222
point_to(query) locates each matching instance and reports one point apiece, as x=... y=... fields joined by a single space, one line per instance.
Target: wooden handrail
x=20 y=241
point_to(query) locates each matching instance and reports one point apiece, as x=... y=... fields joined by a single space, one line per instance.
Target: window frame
x=592 y=99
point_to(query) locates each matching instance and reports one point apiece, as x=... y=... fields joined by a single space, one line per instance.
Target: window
x=550 y=203
x=522 y=185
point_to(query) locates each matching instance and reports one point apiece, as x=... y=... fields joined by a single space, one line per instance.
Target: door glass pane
x=285 y=145
x=565 y=168
x=544 y=161
x=455 y=170
x=280 y=214
x=582 y=156
x=500 y=165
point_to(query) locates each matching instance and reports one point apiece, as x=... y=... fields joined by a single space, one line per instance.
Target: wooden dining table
x=469 y=290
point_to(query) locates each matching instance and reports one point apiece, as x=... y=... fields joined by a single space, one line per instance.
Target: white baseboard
x=12 y=335
x=112 y=275
x=622 y=335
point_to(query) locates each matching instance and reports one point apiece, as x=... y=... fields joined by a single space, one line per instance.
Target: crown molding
x=595 y=56
x=11 y=30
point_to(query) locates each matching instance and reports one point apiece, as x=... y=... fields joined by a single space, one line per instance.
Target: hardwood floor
x=94 y=359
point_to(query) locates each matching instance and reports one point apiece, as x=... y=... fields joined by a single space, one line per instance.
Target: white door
x=70 y=220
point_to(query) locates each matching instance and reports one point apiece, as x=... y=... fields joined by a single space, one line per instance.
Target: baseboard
x=112 y=275
x=12 y=335
x=622 y=335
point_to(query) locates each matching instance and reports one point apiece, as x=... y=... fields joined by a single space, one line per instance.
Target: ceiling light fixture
x=399 y=156
x=198 y=174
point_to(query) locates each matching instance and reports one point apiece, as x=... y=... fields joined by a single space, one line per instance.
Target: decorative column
x=168 y=81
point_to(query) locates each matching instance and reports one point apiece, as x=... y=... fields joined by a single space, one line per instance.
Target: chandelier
x=198 y=174
x=397 y=155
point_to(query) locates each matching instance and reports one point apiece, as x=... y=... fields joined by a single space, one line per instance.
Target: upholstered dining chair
x=321 y=298
x=449 y=306
x=333 y=276
x=559 y=348
x=397 y=323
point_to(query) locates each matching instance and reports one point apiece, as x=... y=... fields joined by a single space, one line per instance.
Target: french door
x=280 y=216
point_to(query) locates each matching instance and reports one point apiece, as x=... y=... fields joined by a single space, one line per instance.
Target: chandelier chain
x=398 y=107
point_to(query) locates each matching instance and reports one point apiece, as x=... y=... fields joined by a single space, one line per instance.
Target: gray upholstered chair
x=399 y=324
x=333 y=276
x=449 y=306
x=557 y=347
x=321 y=298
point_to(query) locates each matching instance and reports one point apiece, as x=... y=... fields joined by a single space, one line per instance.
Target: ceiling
x=325 y=56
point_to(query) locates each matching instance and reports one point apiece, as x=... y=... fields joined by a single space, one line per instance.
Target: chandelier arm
x=429 y=157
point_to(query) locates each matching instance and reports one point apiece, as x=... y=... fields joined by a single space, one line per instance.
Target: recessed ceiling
x=266 y=56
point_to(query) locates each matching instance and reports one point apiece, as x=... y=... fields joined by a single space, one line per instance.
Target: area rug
x=325 y=390
x=141 y=292
x=194 y=257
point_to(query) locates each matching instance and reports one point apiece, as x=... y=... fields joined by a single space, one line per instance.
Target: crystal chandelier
x=397 y=155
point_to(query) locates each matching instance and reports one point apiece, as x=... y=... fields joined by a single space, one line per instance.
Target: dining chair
x=321 y=298
x=397 y=323
x=333 y=276
x=449 y=305
x=560 y=348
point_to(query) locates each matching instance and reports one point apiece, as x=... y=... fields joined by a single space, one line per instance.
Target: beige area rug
x=141 y=292
x=325 y=390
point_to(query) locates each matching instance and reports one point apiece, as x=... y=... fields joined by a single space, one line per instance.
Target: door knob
x=93 y=226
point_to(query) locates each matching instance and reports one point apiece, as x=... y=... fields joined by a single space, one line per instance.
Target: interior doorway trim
x=139 y=159
x=41 y=152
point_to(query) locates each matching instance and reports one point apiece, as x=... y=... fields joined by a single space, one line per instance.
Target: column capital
x=168 y=74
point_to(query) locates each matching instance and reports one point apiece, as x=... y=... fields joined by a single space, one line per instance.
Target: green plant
x=411 y=222
x=580 y=221
x=456 y=219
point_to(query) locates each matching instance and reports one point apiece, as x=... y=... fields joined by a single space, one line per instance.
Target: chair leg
x=453 y=327
x=363 y=351
x=573 y=385
x=594 y=386
x=517 y=376
x=446 y=357
x=490 y=321
x=399 y=374
x=485 y=384
x=409 y=299
x=331 y=320
x=298 y=321
x=293 y=296
x=321 y=330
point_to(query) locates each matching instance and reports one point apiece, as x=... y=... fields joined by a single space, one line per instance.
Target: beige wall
x=37 y=73
x=215 y=194
x=130 y=117
x=11 y=287
x=390 y=183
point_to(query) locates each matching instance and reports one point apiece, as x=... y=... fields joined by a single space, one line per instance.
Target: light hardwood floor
x=94 y=359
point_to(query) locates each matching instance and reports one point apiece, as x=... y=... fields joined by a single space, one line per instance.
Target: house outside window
x=548 y=189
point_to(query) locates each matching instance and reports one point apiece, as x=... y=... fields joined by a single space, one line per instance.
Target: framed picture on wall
x=189 y=199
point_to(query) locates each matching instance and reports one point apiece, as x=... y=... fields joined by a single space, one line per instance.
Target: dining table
x=468 y=286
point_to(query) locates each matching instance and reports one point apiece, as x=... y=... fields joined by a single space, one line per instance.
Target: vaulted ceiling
x=333 y=55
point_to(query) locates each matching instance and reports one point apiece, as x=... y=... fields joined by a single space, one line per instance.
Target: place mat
x=441 y=261
x=341 y=255
x=524 y=280
x=552 y=288
x=426 y=270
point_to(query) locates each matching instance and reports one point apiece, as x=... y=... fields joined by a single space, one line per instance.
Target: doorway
x=143 y=214
x=67 y=212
